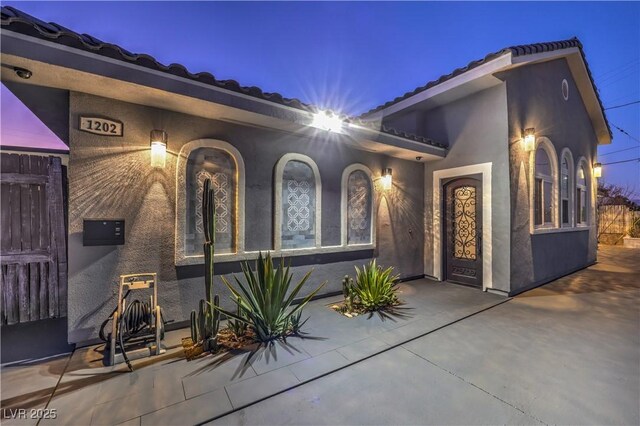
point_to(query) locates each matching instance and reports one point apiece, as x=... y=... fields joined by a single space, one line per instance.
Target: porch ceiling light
x=158 y=148
x=386 y=178
x=529 y=140
x=597 y=170
x=327 y=121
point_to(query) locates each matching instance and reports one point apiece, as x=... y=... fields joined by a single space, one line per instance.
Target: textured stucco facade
x=535 y=100
x=112 y=178
x=476 y=130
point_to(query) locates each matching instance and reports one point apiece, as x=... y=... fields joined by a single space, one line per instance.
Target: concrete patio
x=170 y=390
x=566 y=353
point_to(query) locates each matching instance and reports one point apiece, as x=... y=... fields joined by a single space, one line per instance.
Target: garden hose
x=136 y=318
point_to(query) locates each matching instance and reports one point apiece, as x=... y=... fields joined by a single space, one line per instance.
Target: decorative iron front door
x=463 y=231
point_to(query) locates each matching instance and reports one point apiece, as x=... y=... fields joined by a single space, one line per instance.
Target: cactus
x=347 y=291
x=205 y=323
x=238 y=327
x=195 y=332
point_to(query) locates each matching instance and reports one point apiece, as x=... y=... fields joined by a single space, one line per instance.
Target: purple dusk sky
x=353 y=56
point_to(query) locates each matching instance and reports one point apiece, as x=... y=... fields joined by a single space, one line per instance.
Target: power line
x=625 y=132
x=623 y=105
x=620 y=150
x=622 y=161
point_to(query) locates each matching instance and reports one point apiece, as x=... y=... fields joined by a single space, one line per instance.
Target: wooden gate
x=33 y=247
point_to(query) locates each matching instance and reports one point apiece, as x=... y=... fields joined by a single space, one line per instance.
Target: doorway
x=463 y=231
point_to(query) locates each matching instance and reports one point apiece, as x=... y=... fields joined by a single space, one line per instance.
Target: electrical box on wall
x=103 y=232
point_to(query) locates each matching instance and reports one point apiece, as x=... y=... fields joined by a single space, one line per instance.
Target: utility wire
x=622 y=161
x=620 y=150
x=623 y=105
x=625 y=132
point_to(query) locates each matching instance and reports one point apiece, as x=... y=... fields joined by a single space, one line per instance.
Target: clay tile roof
x=522 y=50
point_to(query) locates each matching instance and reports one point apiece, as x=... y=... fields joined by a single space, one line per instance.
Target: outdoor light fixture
x=529 y=140
x=22 y=73
x=158 y=148
x=386 y=178
x=327 y=121
x=597 y=170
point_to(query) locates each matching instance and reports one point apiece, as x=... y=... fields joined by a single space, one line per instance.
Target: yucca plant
x=266 y=298
x=374 y=286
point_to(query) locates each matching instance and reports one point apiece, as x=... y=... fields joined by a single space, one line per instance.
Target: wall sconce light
x=529 y=140
x=158 y=148
x=327 y=121
x=597 y=170
x=386 y=178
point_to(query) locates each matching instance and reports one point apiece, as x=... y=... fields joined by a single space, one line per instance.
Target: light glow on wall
x=327 y=121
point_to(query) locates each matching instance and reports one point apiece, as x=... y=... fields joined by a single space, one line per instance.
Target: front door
x=463 y=231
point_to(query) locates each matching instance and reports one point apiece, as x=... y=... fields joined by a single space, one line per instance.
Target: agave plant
x=266 y=298
x=374 y=286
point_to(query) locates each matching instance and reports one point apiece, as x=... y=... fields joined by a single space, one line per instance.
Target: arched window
x=545 y=185
x=298 y=191
x=221 y=162
x=582 y=193
x=358 y=213
x=567 y=182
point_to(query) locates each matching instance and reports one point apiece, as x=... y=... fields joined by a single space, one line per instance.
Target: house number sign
x=101 y=126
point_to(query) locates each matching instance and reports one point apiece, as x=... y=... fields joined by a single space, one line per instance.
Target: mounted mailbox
x=103 y=232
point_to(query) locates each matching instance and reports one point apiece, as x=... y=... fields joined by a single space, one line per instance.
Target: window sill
x=539 y=231
x=252 y=255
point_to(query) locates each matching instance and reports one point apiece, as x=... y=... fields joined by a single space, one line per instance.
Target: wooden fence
x=614 y=222
x=33 y=247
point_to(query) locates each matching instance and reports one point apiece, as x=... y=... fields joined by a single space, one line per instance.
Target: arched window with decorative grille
x=221 y=162
x=298 y=196
x=357 y=212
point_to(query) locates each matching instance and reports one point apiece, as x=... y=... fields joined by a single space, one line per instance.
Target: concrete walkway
x=566 y=353
x=169 y=390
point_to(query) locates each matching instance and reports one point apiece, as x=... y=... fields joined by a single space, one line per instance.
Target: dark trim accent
x=223 y=268
x=547 y=280
x=29 y=149
x=411 y=278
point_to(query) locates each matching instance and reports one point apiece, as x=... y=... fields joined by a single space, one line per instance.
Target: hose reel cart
x=137 y=327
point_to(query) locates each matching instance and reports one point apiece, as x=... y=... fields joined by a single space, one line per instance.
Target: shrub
x=266 y=298
x=374 y=288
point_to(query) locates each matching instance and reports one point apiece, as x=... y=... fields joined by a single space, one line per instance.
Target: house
x=483 y=177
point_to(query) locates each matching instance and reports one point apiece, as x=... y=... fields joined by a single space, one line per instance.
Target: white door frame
x=483 y=169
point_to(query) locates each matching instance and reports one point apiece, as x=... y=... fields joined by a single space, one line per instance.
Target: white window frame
x=544 y=143
x=566 y=154
x=277 y=216
x=344 y=205
x=181 y=258
x=582 y=164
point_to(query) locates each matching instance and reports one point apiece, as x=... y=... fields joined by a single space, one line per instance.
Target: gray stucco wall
x=476 y=130
x=112 y=178
x=535 y=100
